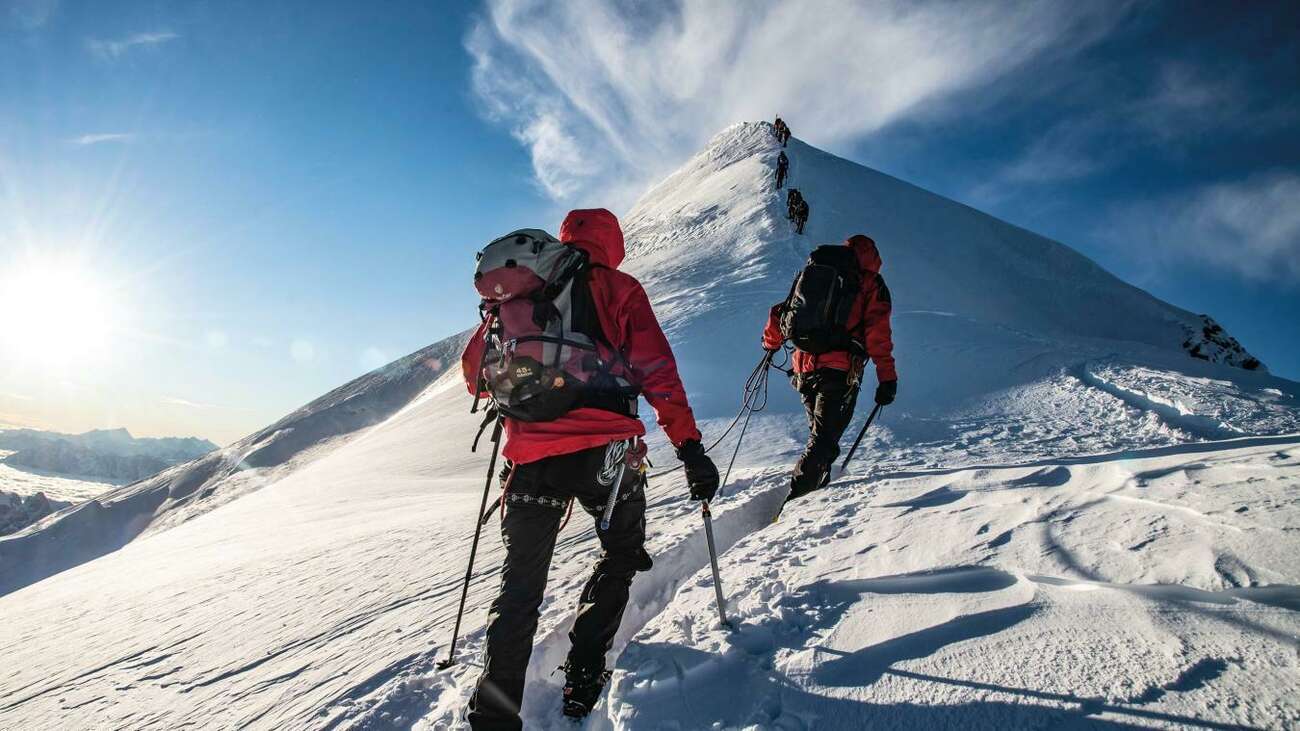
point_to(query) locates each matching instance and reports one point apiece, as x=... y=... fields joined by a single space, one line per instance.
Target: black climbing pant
x=536 y=497
x=780 y=177
x=829 y=400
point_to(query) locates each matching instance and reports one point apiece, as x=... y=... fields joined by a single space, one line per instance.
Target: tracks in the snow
x=412 y=689
x=746 y=510
x=1172 y=413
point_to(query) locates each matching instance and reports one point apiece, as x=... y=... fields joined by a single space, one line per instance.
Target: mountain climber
x=828 y=381
x=792 y=199
x=801 y=212
x=782 y=165
x=551 y=462
x=778 y=128
x=781 y=130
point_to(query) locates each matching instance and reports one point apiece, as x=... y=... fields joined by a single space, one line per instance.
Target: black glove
x=886 y=392
x=701 y=474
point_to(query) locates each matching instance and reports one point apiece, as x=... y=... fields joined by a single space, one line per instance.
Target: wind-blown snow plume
x=605 y=94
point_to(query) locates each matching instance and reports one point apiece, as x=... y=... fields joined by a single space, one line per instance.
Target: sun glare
x=56 y=314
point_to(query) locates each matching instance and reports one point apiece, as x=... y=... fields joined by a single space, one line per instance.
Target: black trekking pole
x=761 y=377
x=473 y=549
x=713 y=561
x=856 y=442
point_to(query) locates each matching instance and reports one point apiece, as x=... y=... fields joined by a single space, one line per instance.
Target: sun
x=57 y=313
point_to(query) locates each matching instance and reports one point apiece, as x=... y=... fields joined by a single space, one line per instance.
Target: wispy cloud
x=1249 y=227
x=113 y=48
x=1065 y=152
x=97 y=138
x=174 y=401
x=605 y=93
x=1178 y=104
x=31 y=14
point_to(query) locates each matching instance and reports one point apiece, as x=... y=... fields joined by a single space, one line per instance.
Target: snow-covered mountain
x=108 y=454
x=1082 y=509
x=18 y=511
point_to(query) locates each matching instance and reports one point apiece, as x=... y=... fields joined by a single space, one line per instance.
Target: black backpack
x=816 y=315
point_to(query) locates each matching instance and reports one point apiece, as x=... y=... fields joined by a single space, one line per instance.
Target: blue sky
x=272 y=198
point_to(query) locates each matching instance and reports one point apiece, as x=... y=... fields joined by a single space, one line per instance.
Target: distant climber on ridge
x=801 y=212
x=782 y=166
x=792 y=199
x=781 y=130
x=834 y=335
x=567 y=386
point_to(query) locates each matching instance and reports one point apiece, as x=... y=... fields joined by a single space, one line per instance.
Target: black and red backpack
x=545 y=353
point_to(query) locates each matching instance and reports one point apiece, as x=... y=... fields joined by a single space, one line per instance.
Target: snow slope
x=1147 y=589
x=110 y=520
x=1039 y=533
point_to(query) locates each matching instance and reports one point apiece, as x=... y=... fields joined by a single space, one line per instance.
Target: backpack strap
x=609 y=396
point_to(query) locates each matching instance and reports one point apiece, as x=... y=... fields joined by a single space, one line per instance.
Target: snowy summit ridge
x=1065 y=518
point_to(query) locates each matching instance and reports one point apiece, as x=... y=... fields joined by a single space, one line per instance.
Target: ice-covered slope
x=323 y=599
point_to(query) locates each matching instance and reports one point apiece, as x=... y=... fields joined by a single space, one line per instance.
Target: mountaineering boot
x=798 y=488
x=582 y=688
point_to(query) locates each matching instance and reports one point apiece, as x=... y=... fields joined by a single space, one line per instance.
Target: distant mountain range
x=19 y=511
x=108 y=454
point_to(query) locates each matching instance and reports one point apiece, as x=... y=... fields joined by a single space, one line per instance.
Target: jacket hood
x=865 y=248
x=595 y=231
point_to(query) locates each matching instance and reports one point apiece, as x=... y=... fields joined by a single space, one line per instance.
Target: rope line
x=753 y=400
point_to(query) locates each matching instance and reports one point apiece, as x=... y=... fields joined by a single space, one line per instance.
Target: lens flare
x=56 y=313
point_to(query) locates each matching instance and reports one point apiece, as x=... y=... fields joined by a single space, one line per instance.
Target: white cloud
x=616 y=95
x=174 y=401
x=1249 y=227
x=1064 y=152
x=95 y=139
x=114 y=48
x=1178 y=104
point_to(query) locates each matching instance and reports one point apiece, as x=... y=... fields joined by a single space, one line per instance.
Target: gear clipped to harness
x=546 y=354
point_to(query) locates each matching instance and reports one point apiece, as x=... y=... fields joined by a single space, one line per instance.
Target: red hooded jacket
x=630 y=326
x=870 y=325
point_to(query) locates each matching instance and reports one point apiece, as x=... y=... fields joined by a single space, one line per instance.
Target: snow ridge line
x=1204 y=427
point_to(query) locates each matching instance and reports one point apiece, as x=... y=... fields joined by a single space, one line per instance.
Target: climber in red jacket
x=828 y=382
x=552 y=462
